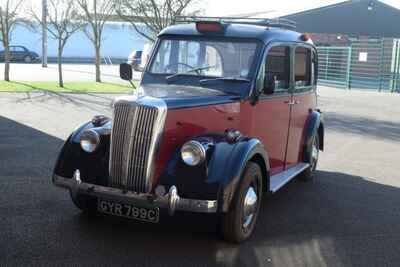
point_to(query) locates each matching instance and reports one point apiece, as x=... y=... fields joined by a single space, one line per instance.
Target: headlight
x=90 y=140
x=193 y=153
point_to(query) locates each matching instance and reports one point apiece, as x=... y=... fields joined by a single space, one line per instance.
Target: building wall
x=357 y=17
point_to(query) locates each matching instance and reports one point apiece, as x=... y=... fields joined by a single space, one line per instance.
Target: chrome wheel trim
x=250 y=204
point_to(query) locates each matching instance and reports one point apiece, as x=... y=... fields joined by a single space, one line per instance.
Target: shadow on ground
x=339 y=219
x=94 y=101
x=379 y=129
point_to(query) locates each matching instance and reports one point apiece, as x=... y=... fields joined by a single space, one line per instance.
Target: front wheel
x=239 y=222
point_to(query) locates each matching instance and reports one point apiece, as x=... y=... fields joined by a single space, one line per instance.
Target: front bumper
x=170 y=201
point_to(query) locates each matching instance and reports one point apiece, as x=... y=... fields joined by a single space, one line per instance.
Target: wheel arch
x=247 y=150
x=321 y=135
x=314 y=126
x=258 y=159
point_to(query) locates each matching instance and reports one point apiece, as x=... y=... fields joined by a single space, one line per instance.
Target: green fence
x=371 y=64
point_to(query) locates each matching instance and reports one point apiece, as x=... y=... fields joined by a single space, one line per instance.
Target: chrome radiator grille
x=133 y=140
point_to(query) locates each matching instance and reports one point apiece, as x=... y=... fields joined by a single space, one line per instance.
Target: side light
x=305 y=37
x=90 y=141
x=100 y=120
x=193 y=153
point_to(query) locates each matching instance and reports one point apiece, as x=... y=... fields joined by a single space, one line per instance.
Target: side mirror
x=269 y=84
x=125 y=72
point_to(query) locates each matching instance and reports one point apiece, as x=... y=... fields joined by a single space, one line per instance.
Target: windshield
x=210 y=58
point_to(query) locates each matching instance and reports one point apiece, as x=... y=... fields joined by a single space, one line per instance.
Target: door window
x=277 y=65
x=303 y=67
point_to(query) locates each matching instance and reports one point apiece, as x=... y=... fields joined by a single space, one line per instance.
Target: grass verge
x=69 y=87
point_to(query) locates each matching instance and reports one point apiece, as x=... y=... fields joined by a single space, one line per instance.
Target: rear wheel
x=239 y=222
x=308 y=174
x=27 y=59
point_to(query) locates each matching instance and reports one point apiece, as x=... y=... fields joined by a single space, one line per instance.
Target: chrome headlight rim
x=89 y=140
x=197 y=150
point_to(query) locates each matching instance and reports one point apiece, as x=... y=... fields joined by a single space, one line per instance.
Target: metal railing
x=369 y=64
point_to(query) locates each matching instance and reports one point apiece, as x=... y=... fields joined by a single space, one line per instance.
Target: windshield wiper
x=226 y=79
x=171 y=77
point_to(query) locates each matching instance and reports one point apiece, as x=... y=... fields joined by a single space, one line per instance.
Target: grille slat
x=131 y=141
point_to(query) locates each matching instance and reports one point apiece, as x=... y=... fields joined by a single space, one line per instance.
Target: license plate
x=128 y=211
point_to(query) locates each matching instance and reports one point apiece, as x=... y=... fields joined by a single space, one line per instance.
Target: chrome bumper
x=170 y=201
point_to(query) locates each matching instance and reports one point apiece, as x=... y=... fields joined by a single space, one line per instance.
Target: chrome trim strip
x=170 y=201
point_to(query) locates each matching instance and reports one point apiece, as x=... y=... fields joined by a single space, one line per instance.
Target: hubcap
x=250 y=207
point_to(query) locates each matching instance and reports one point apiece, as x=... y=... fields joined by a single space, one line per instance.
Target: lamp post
x=44 y=33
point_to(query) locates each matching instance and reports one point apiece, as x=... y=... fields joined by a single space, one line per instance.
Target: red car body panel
x=305 y=103
x=182 y=124
x=272 y=128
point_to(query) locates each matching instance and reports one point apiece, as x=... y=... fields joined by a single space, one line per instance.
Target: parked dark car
x=135 y=60
x=225 y=115
x=20 y=53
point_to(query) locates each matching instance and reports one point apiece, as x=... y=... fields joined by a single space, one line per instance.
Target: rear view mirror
x=125 y=72
x=269 y=84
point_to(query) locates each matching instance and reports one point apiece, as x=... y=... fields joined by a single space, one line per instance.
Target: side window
x=303 y=67
x=277 y=65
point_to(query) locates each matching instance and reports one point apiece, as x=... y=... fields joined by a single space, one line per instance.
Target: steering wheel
x=179 y=63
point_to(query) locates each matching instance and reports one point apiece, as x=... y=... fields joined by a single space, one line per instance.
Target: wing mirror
x=125 y=72
x=269 y=84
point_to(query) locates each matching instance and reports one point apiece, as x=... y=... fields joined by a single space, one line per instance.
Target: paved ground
x=350 y=215
x=71 y=72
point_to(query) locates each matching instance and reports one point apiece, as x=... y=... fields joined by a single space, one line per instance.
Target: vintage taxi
x=225 y=114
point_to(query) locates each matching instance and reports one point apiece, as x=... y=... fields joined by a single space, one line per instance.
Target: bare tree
x=8 y=18
x=96 y=14
x=63 y=20
x=149 y=17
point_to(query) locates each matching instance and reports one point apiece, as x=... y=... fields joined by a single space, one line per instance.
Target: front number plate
x=128 y=211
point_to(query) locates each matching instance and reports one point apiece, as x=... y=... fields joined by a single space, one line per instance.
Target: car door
x=272 y=114
x=303 y=100
x=19 y=53
x=12 y=53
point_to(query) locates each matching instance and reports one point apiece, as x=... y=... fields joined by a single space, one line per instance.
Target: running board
x=279 y=180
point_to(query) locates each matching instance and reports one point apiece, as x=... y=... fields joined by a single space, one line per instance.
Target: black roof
x=261 y=33
x=354 y=17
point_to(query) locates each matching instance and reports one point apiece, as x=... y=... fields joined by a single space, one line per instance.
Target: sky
x=238 y=7
x=279 y=7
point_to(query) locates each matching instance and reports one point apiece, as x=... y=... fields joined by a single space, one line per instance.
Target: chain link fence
x=369 y=64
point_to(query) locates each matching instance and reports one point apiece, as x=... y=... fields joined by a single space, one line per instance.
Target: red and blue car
x=225 y=114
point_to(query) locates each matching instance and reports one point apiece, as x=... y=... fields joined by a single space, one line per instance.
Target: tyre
x=308 y=174
x=27 y=59
x=238 y=223
x=85 y=203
